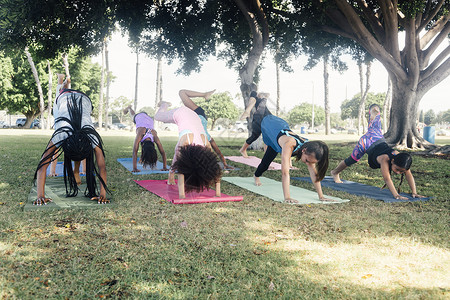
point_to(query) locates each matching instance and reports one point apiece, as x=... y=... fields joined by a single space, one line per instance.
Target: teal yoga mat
x=55 y=189
x=272 y=189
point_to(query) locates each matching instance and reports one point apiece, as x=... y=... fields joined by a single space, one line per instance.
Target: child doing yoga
x=76 y=137
x=197 y=166
x=280 y=139
x=146 y=137
x=380 y=156
x=186 y=96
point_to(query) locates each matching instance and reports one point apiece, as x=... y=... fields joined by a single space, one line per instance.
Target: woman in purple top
x=147 y=137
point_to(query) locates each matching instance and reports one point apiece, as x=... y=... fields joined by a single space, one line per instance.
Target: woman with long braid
x=76 y=137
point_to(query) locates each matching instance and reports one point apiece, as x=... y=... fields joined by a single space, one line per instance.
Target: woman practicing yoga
x=186 y=96
x=280 y=139
x=76 y=137
x=147 y=137
x=381 y=156
x=196 y=164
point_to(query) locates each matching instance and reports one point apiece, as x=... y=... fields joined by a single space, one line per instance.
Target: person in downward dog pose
x=76 y=137
x=280 y=139
x=146 y=137
x=64 y=84
x=186 y=96
x=381 y=156
x=196 y=164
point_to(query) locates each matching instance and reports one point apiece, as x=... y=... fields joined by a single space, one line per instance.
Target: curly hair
x=320 y=150
x=199 y=166
x=149 y=156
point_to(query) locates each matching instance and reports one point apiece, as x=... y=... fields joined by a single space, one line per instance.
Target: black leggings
x=258 y=116
x=268 y=157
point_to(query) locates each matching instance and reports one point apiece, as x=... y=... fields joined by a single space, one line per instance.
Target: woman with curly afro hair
x=197 y=166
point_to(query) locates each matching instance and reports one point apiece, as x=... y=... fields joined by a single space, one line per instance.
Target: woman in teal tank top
x=280 y=139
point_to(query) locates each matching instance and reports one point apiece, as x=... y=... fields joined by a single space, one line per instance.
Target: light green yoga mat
x=272 y=189
x=55 y=189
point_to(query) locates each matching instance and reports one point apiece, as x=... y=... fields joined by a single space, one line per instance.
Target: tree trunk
x=387 y=105
x=137 y=80
x=50 y=97
x=38 y=84
x=277 y=65
x=66 y=64
x=403 y=128
x=361 y=92
x=108 y=84
x=260 y=34
x=158 y=95
x=326 y=75
x=102 y=82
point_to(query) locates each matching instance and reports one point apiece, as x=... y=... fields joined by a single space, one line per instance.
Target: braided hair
x=78 y=145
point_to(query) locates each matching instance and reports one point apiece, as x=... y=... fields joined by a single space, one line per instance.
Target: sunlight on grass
x=151 y=288
x=3 y=186
x=383 y=263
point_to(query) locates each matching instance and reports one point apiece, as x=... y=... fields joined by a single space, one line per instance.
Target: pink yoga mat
x=254 y=161
x=170 y=193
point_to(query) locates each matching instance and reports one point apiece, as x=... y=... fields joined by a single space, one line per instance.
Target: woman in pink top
x=147 y=137
x=196 y=164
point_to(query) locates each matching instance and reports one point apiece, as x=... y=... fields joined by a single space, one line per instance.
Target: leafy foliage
x=220 y=105
x=349 y=108
x=303 y=114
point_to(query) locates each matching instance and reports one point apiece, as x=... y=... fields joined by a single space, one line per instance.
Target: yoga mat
x=226 y=170
x=360 y=189
x=254 y=161
x=55 y=189
x=59 y=170
x=170 y=193
x=272 y=189
x=128 y=164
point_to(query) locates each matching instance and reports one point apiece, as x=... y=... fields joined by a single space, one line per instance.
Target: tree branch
x=411 y=57
x=429 y=15
x=441 y=23
x=374 y=22
x=429 y=70
x=442 y=72
x=390 y=18
x=366 y=39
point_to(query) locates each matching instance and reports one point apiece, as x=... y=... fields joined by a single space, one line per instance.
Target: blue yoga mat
x=59 y=170
x=128 y=164
x=360 y=189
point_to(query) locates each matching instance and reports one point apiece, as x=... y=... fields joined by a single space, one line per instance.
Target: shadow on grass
x=148 y=248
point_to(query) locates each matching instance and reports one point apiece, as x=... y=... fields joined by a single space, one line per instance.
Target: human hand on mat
x=136 y=170
x=398 y=197
x=42 y=201
x=290 y=200
x=414 y=195
x=101 y=199
x=165 y=169
x=227 y=167
x=326 y=199
x=171 y=180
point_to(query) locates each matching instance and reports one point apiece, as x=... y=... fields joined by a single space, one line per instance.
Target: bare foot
x=243 y=152
x=336 y=177
x=125 y=110
x=257 y=181
x=208 y=94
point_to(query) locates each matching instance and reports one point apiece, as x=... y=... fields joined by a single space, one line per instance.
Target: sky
x=296 y=87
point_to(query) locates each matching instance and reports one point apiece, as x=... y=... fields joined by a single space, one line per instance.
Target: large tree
x=413 y=68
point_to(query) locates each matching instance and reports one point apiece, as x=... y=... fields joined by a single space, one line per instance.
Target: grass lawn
x=143 y=247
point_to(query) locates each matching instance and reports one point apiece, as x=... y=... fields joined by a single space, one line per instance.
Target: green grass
x=144 y=247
